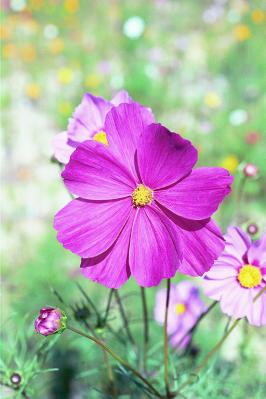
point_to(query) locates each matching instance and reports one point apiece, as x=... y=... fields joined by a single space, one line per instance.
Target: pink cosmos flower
x=185 y=307
x=86 y=124
x=50 y=321
x=141 y=209
x=238 y=276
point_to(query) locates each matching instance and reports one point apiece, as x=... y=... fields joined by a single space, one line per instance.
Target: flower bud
x=252 y=229
x=15 y=378
x=50 y=321
x=250 y=170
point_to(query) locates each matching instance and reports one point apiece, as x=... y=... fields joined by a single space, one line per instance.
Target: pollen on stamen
x=101 y=137
x=142 y=196
x=249 y=276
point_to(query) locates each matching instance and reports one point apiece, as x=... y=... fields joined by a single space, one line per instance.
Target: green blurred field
x=200 y=65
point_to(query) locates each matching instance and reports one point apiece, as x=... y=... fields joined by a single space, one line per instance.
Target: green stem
x=108 y=306
x=166 y=355
x=124 y=318
x=118 y=358
x=146 y=326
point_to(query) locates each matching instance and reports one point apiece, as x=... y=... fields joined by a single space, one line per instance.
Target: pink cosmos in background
x=86 y=124
x=50 y=321
x=238 y=276
x=185 y=308
x=141 y=209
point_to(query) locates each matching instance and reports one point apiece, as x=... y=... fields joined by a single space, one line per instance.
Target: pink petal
x=89 y=228
x=93 y=173
x=237 y=243
x=164 y=157
x=219 y=271
x=121 y=97
x=88 y=117
x=256 y=312
x=111 y=268
x=154 y=248
x=215 y=289
x=124 y=125
x=202 y=243
x=235 y=301
x=257 y=252
x=62 y=150
x=198 y=195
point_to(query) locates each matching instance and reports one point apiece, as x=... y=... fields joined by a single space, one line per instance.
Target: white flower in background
x=134 y=27
x=50 y=31
x=238 y=116
x=17 y=5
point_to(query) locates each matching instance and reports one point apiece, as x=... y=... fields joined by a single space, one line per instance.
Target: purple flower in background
x=50 y=321
x=238 y=276
x=185 y=307
x=86 y=124
x=141 y=210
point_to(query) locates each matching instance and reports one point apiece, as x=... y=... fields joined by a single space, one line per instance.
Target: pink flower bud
x=50 y=321
x=250 y=170
x=252 y=229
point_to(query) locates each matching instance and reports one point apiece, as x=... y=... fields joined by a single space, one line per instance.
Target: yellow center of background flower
x=249 y=276
x=180 y=308
x=101 y=137
x=142 y=196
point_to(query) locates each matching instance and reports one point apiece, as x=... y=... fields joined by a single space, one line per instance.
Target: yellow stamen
x=180 y=308
x=249 y=276
x=101 y=137
x=142 y=196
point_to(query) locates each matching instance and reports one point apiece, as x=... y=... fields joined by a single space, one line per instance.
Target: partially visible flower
x=86 y=123
x=242 y=32
x=230 y=163
x=212 y=99
x=238 y=276
x=258 y=16
x=50 y=321
x=141 y=208
x=252 y=138
x=185 y=307
x=33 y=91
x=250 y=170
x=252 y=229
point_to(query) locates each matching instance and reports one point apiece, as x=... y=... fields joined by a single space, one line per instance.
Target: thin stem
x=118 y=358
x=124 y=318
x=108 y=306
x=146 y=326
x=207 y=357
x=215 y=348
x=166 y=355
x=239 y=196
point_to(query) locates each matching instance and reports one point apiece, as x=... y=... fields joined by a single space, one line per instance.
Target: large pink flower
x=141 y=210
x=238 y=276
x=86 y=124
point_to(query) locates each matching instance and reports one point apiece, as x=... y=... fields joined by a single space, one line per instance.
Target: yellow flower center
x=101 y=137
x=180 y=308
x=142 y=196
x=249 y=276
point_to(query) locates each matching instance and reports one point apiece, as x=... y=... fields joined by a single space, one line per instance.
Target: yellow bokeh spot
x=65 y=75
x=242 y=32
x=249 y=276
x=101 y=137
x=212 y=99
x=258 y=16
x=56 y=46
x=35 y=4
x=142 y=196
x=5 y=32
x=9 y=50
x=71 y=6
x=230 y=163
x=28 y=53
x=180 y=308
x=65 y=108
x=33 y=91
x=93 y=80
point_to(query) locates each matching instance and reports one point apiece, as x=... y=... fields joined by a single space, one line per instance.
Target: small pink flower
x=250 y=170
x=50 y=321
x=185 y=307
x=252 y=229
x=238 y=276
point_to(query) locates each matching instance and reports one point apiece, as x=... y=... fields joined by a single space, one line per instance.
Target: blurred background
x=200 y=65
